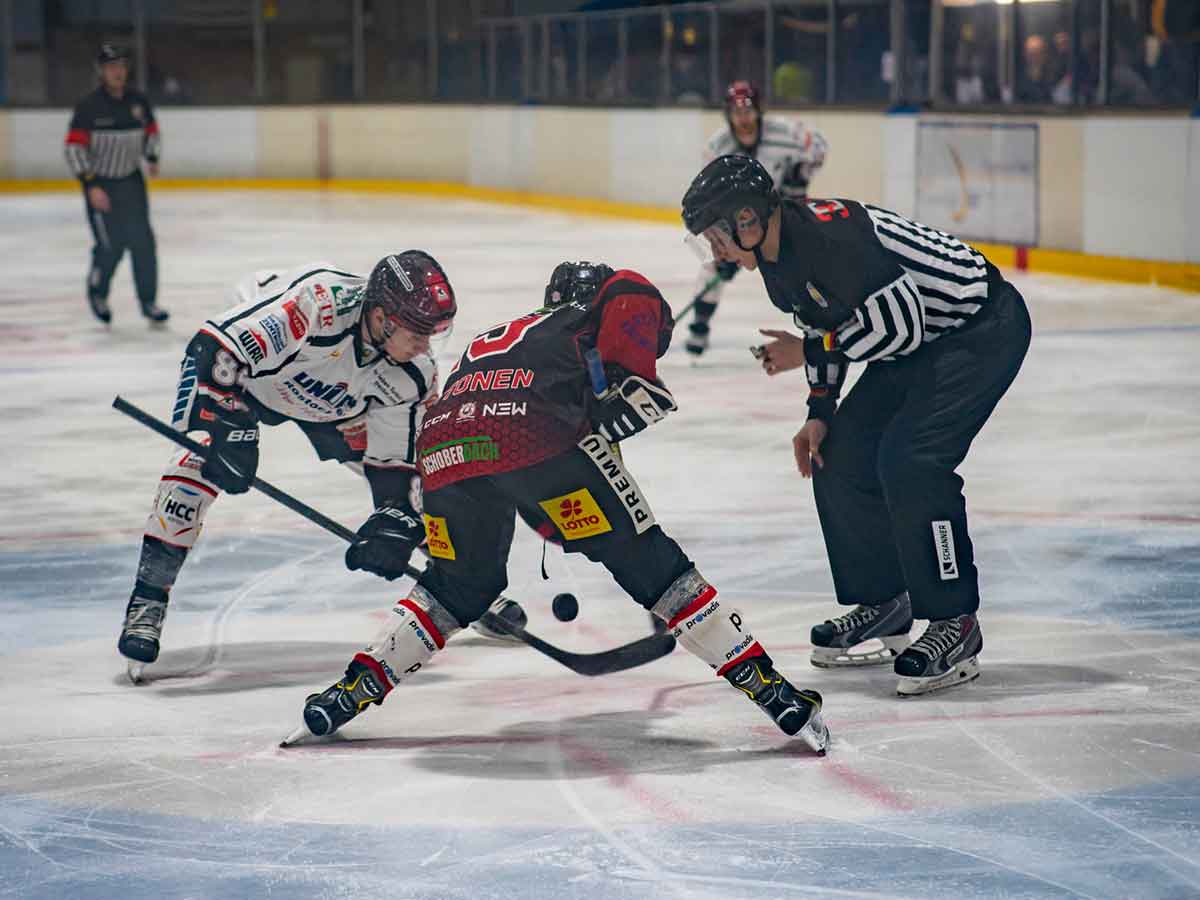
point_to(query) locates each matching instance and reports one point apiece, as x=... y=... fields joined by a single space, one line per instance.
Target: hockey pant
x=594 y=505
x=890 y=503
x=125 y=226
x=184 y=497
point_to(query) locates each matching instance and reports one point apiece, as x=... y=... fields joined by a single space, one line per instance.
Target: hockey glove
x=632 y=406
x=385 y=542
x=232 y=457
x=726 y=269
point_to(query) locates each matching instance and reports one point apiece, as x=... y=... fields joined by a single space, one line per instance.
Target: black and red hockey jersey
x=521 y=394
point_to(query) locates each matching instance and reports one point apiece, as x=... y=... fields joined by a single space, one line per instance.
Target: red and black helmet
x=741 y=94
x=413 y=291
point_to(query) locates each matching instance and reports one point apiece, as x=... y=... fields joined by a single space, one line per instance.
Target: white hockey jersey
x=299 y=334
x=789 y=150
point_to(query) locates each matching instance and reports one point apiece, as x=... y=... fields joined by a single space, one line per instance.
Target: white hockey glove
x=632 y=406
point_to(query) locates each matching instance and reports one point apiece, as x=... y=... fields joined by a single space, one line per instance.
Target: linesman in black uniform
x=944 y=336
x=111 y=130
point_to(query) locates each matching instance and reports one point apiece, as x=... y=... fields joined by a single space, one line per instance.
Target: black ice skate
x=796 y=712
x=945 y=656
x=143 y=628
x=835 y=639
x=697 y=339
x=100 y=308
x=326 y=712
x=511 y=612
x=155 y=313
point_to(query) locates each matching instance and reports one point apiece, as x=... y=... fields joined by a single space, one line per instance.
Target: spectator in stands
x=1036 y=81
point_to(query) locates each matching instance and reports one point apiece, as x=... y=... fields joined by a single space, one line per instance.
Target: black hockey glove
x=726 y=269
x=385 y=542
x=232 y=457
x=630 y=407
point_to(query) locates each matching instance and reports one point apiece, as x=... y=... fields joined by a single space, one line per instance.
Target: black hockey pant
x=591 y=503
x=125 y=225
x=890 y=502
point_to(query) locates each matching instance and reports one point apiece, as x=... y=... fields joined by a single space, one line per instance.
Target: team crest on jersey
x=137 y=112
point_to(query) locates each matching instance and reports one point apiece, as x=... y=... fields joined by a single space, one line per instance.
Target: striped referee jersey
x=866 y=284
x=108 y=135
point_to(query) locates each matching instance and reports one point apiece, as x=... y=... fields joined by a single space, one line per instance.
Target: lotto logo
x=437 y=538
x=576 y=515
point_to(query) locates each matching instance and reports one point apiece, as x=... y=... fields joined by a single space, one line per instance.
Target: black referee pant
x=890 y=502
x=125 y=225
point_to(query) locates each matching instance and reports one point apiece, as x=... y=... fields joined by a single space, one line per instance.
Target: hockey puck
x=565 y=607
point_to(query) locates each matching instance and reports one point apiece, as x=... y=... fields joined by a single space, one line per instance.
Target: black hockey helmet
x=113 y=53
x=575 y=282
x=413 y=291
x=724 y=188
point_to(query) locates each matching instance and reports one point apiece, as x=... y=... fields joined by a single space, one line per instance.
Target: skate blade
x=134 y=670
x=839 y=657
x=295 y=737
x=495 y=637
x=816 y=734
x=963 y=673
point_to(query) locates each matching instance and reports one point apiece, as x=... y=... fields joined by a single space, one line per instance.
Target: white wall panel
x=1134 y=187
x=656 y=153
x=501 y=151
x=35 y=148
x=899 y=163
x=1193 y=193
x=209 y=143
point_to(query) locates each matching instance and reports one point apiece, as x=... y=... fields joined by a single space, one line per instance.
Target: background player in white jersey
x=344 y=357
x=791 y=152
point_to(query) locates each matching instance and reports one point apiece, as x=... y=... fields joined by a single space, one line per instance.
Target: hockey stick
x=605 y=662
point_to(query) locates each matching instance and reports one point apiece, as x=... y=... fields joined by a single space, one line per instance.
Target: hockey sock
x=716 y=633
x=704 y=310
x=158 y=566
x=418 y=629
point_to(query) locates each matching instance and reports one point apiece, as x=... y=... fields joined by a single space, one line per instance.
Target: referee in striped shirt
x=111 y=130
x=944 y=336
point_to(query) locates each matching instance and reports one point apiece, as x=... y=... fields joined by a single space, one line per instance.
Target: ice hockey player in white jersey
x=786 y=148
x=348 y=360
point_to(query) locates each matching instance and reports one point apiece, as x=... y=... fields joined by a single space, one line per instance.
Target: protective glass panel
x=690 y=47
x=865 y=67
x=800 y=68
x=396 y=46
x=309 y=52
x=199 y=53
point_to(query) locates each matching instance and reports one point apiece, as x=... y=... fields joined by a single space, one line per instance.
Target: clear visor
x=711 y=244
x=437 y=340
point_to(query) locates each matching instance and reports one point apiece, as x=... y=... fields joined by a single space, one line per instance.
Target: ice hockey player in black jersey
x=111 y=131
x=344 y=357
x=522 y=428
x=944 y=336
x=790 y=151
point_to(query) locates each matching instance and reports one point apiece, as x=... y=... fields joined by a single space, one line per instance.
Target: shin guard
x=709 y=629
x=418 y=628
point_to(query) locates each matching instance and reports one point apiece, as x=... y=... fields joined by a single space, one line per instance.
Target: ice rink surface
x=1071 y=768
